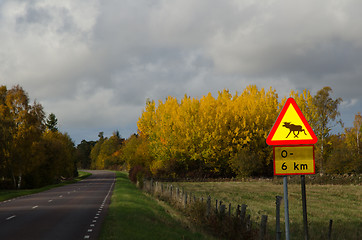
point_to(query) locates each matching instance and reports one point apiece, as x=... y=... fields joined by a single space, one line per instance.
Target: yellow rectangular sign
x=294 y=160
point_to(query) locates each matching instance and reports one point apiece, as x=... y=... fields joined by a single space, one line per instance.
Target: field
x=341 y=203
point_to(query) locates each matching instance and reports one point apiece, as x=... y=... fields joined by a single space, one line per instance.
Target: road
x=70 y=212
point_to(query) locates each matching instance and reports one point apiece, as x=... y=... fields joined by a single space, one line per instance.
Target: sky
x=94 y=63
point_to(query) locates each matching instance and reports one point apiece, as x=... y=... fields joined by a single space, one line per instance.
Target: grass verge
x=9 y=194
x=134 y=215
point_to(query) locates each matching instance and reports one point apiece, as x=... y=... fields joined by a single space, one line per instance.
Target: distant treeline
x=33 y=152
x=224 y=136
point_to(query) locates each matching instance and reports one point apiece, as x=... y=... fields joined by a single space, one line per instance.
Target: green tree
x=56 y=157
x=96 y=150
x=51 y=122
x=83 y=154
x=107 y=158
x=105 y=153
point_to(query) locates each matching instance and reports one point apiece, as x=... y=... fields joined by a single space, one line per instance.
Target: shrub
x=134 y=172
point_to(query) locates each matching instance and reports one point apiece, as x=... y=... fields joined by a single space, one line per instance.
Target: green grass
x=9 y=194
x=134 y=215
x=341 y=203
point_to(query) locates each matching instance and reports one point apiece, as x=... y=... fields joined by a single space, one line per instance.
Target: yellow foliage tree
x=206 y=137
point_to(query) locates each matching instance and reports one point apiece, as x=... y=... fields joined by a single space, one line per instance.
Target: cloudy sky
x=93 y=63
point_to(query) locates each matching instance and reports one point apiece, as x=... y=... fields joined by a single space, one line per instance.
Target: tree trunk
x=19 y=181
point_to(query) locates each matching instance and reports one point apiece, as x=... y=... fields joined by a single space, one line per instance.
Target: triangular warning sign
x=291 y=127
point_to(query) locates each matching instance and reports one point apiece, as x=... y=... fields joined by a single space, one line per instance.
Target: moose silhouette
x=296 y=129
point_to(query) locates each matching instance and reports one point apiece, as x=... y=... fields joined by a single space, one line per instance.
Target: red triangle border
x=269 y=141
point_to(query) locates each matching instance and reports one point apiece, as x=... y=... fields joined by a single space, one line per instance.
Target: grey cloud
x=94 y=63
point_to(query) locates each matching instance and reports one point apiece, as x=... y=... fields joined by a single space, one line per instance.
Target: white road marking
x=10 y=217
x=51 y=200
x=35 y=207
x=100 y=210
x=61 y=196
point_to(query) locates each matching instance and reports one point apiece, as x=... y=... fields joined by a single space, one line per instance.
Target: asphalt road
x=70 y=212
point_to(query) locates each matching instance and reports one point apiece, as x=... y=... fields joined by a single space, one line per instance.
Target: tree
x=208 y=137
x=353 y=144
x=255 y=113
x=26 y=125
x=135 y=152
x=30 y=155
x=225 y=136
x=104 y=154
x=357 y=125
x=96 y=150
x=56 y=157
x=326 y=110
x=51 y=122
x=107 y=158
x=83 y=154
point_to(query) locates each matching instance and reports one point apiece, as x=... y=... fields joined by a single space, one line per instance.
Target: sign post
x=286 y=206
x=304 y=205
x=293 y=142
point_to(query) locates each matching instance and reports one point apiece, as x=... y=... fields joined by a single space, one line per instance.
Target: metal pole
x=286 y=207
x=278 y=232
x=304 y=203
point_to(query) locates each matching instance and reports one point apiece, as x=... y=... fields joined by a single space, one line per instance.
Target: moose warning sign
x=291 y=127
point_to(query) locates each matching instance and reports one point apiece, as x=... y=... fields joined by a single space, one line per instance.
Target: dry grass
x=342 y=203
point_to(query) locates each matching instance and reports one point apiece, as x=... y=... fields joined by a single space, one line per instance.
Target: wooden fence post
x=222 y=210
x=248 y=223
x=185 y=200
x=237 y=213
x=330 y=229
x=262 y=233
x=208 y=207
x=243 y=213
x=229 y=209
